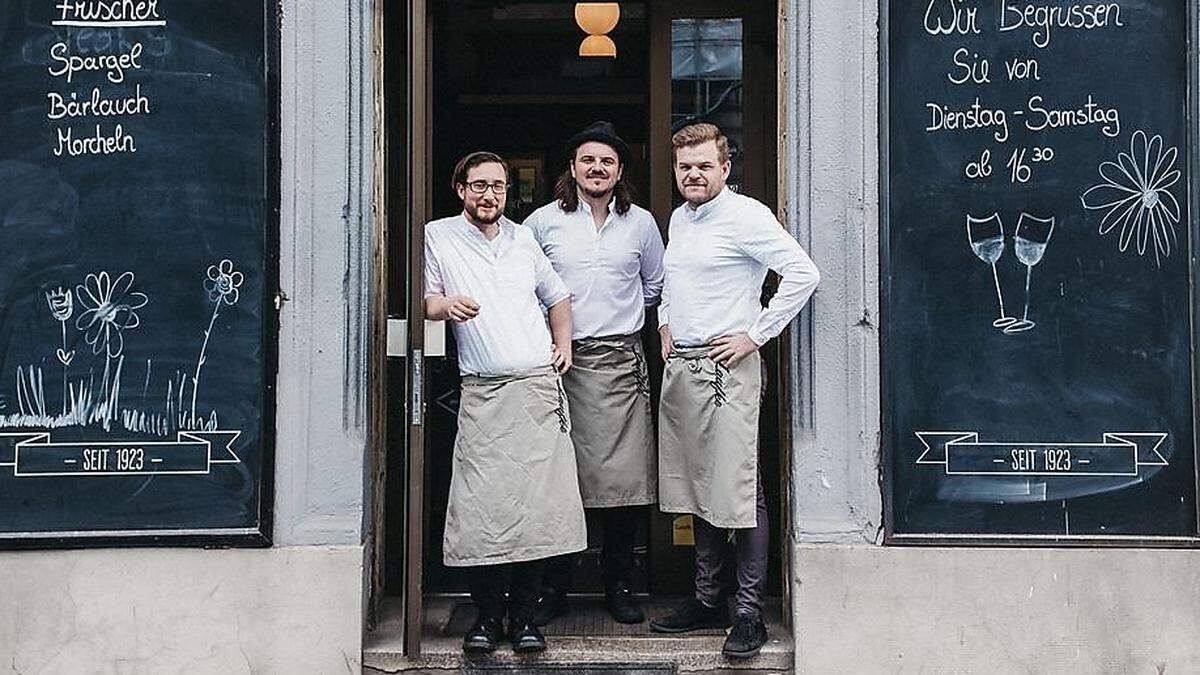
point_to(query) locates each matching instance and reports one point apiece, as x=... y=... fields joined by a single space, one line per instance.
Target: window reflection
x=706 y=80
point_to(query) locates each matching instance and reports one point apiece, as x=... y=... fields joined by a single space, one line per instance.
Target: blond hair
x=702 y=132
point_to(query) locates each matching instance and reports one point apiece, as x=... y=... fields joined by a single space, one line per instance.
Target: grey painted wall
x=831 y=151
x=325 y=249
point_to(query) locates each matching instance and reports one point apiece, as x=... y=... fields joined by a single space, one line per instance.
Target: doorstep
x=607 y=648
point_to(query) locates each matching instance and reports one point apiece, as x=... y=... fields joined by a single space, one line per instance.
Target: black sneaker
x=619 y=603
x=549 y=607
x=526 y=638
x=748 y=636
x=691 y=616
x=484 y=636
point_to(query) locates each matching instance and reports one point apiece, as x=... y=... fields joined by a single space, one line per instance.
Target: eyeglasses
x=481 y=186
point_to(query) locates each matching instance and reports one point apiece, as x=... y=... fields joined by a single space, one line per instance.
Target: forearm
x=560 y=325
x=796 y=286
x=437 y=307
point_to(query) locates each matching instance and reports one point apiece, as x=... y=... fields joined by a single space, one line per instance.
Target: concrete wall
x=289 y=610
x=869 y=609
x=861 y=607
x=296 y=607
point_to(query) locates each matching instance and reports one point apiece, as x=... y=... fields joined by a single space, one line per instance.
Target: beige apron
x=708 y=438
x=514 y=494
x=608 y=387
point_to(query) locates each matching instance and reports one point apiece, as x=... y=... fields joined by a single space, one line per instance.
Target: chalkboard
x=1037 y=268
x=137 y=323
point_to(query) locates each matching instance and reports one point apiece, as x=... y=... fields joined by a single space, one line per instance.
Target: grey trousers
x=751 y=546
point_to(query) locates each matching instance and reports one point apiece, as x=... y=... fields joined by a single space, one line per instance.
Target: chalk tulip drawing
x=1136 y=195
x=103 y=311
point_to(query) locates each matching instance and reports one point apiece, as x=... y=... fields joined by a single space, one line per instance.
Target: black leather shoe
x=484 y=636
x=619 y=603
x=526 y=638
x=691 y=616
x=549 y=607
x=748 y=636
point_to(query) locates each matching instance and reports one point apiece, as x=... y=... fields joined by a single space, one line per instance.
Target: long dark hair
x=566 y=192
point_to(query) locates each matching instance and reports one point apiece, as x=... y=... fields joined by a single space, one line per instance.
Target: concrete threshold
x=574 y=653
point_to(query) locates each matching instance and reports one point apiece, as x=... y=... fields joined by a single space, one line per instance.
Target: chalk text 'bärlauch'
x=96 y=104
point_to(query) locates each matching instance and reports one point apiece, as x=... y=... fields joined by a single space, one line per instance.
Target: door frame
x=417 y=211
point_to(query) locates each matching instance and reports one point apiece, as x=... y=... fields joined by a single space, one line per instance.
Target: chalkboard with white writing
x=137 y=320
x=1037 y=270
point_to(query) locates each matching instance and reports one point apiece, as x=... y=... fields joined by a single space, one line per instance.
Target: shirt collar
x=506 y=229
x=699 y=212
x=586 y=208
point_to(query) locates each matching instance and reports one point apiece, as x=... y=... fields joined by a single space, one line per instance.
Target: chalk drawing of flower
x=1136 y=195
x=223 y=283
x=109 y=311
x=61 y=304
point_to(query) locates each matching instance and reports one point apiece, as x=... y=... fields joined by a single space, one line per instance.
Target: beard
x=597 y=194
x=473 y=211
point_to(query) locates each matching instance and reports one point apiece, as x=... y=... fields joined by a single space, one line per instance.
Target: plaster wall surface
x=152 y=611
x=831 y=154
x=867 y=609
x=325 y=253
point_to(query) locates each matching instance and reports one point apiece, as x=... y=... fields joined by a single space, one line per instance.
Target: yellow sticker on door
x=681 y=531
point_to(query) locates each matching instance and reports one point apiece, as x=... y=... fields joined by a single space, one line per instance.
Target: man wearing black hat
x=609 y=253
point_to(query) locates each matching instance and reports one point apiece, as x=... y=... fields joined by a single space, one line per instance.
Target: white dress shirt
x=717 y=258
x=613 y=272
x=510 y=278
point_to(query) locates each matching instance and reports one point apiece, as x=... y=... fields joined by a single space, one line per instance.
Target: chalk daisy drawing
x=222 y=285
x=1136 y=195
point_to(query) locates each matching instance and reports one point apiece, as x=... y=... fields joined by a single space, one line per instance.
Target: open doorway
x=462 y=75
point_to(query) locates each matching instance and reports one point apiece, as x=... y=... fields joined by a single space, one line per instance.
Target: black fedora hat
x=601 y=132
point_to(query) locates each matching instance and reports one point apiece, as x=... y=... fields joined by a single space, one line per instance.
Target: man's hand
x=664 y=332
x=731 y=349
x=462 y=308
x=561 y=359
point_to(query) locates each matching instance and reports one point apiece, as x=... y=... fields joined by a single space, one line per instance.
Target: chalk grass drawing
x=222 y=285
x=986 y=236
x=62 y=306
x=1136 y=194
x=107 y=307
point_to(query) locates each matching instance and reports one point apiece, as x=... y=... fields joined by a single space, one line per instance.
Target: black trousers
x=751 y=548
x=511 y=588
x=618 y=526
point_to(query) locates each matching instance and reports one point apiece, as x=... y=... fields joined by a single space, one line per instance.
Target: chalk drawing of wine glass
x=1029 y=241
x=986 y=236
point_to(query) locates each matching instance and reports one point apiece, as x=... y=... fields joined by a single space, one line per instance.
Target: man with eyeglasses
x=609 y=252
x=514 y=497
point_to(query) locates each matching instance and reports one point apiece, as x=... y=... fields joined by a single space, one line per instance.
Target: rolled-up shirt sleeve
x=652 y=264
x=550 y=287
x=770 y=244
x=433 y=271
